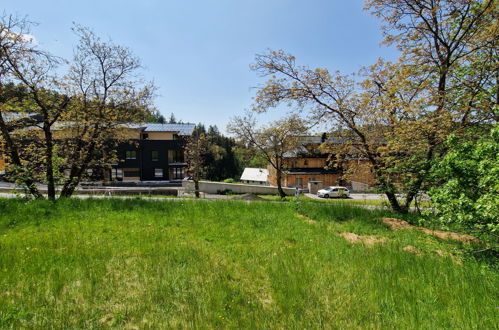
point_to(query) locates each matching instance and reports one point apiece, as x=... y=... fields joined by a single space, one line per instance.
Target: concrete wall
x=359 y=186
x=214 y=187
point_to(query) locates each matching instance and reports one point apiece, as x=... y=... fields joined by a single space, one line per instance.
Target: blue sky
x=198 y=52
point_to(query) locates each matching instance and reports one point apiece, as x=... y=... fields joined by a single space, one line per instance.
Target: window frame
x=154 y=153
x=131 y=155
x=156 y=173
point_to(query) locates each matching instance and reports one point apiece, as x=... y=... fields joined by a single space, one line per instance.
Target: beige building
x=308 y=163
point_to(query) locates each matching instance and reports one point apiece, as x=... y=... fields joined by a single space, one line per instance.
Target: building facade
x=146 y=152
x=154 y=152
x=308 y=163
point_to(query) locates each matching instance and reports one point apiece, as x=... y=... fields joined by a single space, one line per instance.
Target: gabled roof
x=255 y=174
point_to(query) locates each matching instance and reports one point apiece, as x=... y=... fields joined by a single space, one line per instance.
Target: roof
x=308 y=143
x=10 y=116
x=183 y=129
x=255 y=174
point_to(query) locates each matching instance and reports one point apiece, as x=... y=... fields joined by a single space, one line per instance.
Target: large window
x=158 y=172
x=177 y=173
x=175 y=156
x=131 y=154
x=154 y=155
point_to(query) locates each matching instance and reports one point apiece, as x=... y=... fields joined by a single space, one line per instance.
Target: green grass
x=367 y=202
x=229 y=264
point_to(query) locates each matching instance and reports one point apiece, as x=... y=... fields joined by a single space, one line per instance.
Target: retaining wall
x=216 y=187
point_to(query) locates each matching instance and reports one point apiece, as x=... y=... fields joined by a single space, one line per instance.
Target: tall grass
x=227 y=264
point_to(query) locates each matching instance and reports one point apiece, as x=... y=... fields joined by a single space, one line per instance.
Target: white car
x=339 y=192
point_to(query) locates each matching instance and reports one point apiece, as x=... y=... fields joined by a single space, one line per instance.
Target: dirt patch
x=399 y=224
x=367 y=240
x=305 y=218
x=450 y=235
x=411 y=249
x=249 y=197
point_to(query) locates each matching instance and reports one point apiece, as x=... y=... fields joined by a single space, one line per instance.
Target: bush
x=470 y=195
x=225 y=192
x=229 y=180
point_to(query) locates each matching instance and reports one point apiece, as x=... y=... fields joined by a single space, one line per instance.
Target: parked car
x=338 y=192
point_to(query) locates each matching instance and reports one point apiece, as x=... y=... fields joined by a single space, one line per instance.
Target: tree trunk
x=76 y=173
x=281 y=192
x=196 y=187
x=16 y=160
x=49 y=162
x=394 y=203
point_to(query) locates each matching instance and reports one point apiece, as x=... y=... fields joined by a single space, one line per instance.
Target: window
x=178 y=173
x=131 y=154
x=175 y=136
x=175 y=156
x=299 y=182
x=178 y=156
x=305 y=162
x=158 y=172
x=154 y=156
x=145 y=136
x=116 y=173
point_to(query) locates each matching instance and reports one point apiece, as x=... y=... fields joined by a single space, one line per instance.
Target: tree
x=18 y=54
x=105 y=81
x=398 y=115
x=172 y=119
x=195 y=153
x=470 y=195
x=221 y=162
x=272 y=141
x=79 y=113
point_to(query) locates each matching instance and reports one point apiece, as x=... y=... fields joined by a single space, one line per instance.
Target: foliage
x=66 y=121
x=398 y=115
x=228 y=264
x=221 y=161
x=470 y=195
x=272 y=141
x=196 y=149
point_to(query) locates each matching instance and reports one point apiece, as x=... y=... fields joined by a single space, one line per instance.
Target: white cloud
x=25 y=37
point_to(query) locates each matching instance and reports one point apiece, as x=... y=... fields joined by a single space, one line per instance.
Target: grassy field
x=231 y=264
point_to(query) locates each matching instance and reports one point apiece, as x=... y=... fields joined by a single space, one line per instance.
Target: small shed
x=257 y=176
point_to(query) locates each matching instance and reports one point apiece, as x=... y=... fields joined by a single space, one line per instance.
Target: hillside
x=157 y=264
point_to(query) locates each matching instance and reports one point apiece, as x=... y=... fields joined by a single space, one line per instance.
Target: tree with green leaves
x=398 y=115
x=469 y=196
x=272 y=141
